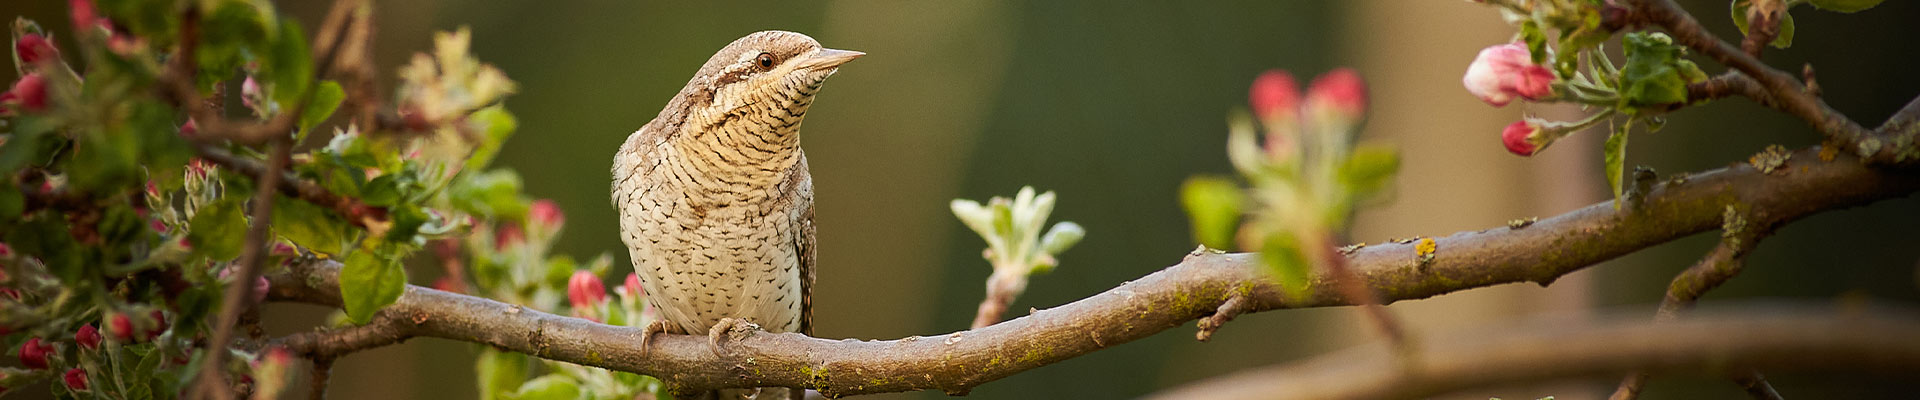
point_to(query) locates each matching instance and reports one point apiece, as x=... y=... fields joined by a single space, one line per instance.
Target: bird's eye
x=765 y=61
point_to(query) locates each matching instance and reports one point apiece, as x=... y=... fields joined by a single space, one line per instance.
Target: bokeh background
x=1112 y=107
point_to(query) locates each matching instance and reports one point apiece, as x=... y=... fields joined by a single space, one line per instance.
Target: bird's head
x=779 y=66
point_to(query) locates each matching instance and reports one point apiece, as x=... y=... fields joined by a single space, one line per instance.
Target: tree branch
x=1197 y=286
x=213 y=380
x=291 y=185
x=1879 y=342
x=1893 y=143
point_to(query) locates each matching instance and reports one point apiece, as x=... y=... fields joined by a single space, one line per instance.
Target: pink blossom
x=1339 y=94
x=190 y=129
x=33 y=48
x=30 y=92
x=1503 y=72
x=631 y=287
x=1274 y=97
x=88 y=337
x=33 y=353
x=585 y=290
x=546 y=213
x=509 y=234
x=121 y=327
x=76 y=379
x=1522 y=137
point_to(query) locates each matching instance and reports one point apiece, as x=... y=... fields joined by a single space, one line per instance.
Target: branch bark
x=1199 y=285
x=1878 y=342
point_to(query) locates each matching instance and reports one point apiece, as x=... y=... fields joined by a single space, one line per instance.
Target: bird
x=714 y=197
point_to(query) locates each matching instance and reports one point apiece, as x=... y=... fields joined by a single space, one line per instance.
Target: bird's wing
x=804 y=239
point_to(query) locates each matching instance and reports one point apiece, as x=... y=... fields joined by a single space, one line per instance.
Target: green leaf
x=493 y=194
x=218 y=231
x=1651 y=77
x=1536 y=40
x=288 y=66
x=1062 y=236
x=12 y=204
x=1845 y=6
x=1213 y=204
x=496 y=125
x=48 y=237
x=407 y=219
x=27 y=144
x=550 y=387
x=1288 y=264
x=370 y=282
x=499 y=372
x=308 y=225
x=1369 y=170
x=326 y=99
x=1616 y=155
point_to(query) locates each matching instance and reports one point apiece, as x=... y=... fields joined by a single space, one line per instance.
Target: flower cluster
x=1305 y=171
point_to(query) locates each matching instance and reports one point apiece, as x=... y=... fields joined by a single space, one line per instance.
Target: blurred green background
x=1112 y=107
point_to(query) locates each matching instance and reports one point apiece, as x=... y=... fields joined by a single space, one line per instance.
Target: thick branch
x=1197 y=286
x=1879 y=342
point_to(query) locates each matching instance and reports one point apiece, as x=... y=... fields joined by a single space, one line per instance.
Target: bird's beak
x=829 y=58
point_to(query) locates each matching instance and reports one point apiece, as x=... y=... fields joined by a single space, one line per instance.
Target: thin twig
x=240 y=291
x=291 y=185
x=955 y=362
x=1805 y=339
x=322 y=372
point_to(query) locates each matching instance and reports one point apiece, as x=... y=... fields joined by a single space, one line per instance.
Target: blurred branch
x=1723 y=262
x=1878 y=342
x=1894 y=142
x=1197 y=286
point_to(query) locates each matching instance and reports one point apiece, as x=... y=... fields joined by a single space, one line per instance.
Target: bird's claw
x=738 y=328
x=647 y=333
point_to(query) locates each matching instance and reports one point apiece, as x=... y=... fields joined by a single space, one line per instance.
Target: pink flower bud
x=33 y=353
x=76 y=379
x=632 y=287
x=10 y=293
x=88 y=337
x=30 y=92
x=1503 y=72
x=546 y=213
x=585 y=290
x=1521 y=137
x=447 y=283
x=190 y=129
x=509 y=234
x=160 y=325
x=84 y=15
x=260 y=285
x=5 y=251
x=250 y=93
x=1338 y=94
x=120 y=327
x=1274 y=97
x=32 y=48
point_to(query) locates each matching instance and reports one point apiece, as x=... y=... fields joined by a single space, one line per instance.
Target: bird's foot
x=647 y=333
x=729 y=329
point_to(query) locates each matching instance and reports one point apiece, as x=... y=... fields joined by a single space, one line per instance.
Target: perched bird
x=716 y=205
